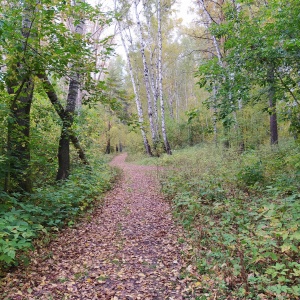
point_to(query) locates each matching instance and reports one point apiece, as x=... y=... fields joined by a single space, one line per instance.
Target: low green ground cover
x=242 y=212
x=23 y=218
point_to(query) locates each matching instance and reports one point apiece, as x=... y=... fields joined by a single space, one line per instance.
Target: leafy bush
x=48 y=209
x=252 y=174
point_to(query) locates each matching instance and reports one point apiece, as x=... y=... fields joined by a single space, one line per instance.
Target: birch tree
x=160 y=81
x=153 y=67
x=135 y=90
x=224 y=101
x=146 y=77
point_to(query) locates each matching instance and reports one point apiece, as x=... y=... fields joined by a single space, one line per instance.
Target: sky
x=183 y=11
x=181 y=5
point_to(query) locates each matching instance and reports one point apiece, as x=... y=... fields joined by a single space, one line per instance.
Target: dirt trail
x=128 y=250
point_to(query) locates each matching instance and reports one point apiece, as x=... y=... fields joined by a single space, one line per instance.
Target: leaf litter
x=129 y=249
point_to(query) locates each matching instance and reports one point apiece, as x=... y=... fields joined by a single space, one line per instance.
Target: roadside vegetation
x=213 y=89
x=241 y=212
x=31 y=220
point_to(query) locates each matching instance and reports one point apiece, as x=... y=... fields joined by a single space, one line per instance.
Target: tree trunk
x=49 y=89
x=220 y=61
x=108 y=145
x=211 y=21
x=64 y=143
x=171 y=110
x=146 y=78
x=18 y=177
x=215 y=113
x=160 y=84
x=135 y=90
x=272 y=107
x=64 y=153
x=151 y=69
x=79 y=149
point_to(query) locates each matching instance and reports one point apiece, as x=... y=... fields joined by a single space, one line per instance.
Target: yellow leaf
x=285 y=247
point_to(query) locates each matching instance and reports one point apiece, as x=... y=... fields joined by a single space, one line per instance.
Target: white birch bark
x=146 y=76
x=153 y=80
x=171 y=97
x=160 y=85
x=154 y=88
x=136 y=93
x=74 y=84
x=210 y=21
x=221 y=63
x=177 y=94
x=215 y=111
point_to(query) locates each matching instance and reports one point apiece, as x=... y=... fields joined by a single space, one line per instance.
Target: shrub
x=49 y=208
x=246 y=236
x=251 y=174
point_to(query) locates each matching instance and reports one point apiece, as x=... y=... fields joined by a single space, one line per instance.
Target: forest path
x=128 y=250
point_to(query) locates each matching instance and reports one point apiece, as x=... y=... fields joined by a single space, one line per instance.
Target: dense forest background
x=219 y=91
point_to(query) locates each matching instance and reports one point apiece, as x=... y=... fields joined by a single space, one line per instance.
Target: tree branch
x=50 y=91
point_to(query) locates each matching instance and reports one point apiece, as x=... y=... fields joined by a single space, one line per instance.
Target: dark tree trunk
x=107 y=150
x=18 y=177
x=61 y=112
x=272 y=107
x=78 y=147
x=242 y=147
x=148 y=148
x=226 y=142
x=64 y=142
x=64 y=154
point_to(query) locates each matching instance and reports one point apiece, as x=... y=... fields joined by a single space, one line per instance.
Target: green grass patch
x=141 y=159
x=242 y=212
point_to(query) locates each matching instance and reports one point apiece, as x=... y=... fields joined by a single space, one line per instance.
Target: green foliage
x=189 y=131
x=16 y=233
x=255 y=43
x=49 y=208
x=251 y=174
x=245 y=232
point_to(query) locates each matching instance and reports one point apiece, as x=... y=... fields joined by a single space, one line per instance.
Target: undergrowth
x=242 y=212
x=140 y=159
x=23 y=218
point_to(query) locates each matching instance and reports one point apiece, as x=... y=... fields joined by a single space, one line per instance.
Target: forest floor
x=127 y=249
